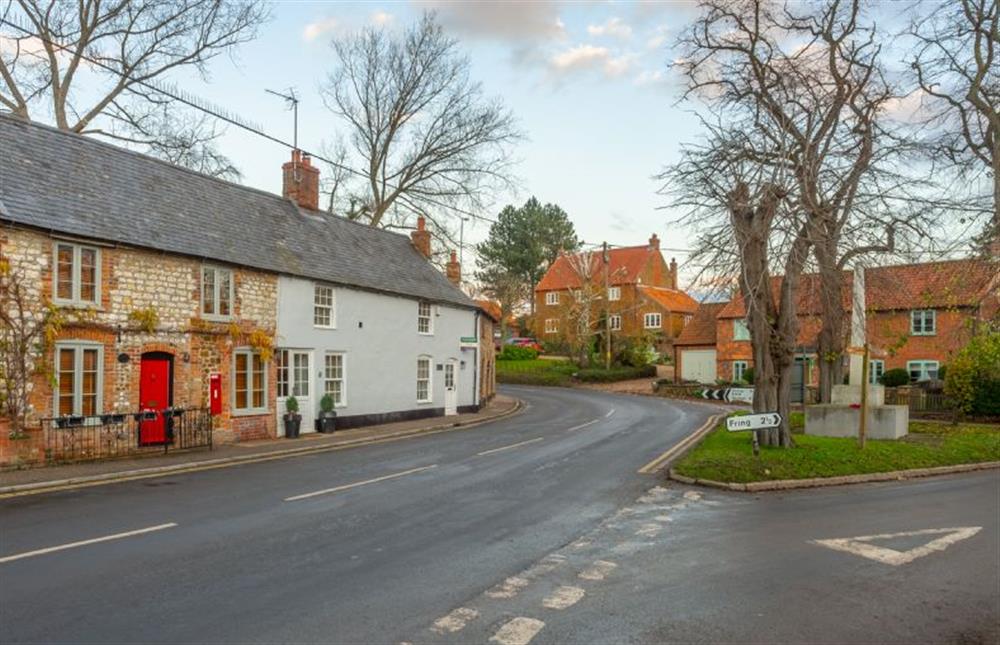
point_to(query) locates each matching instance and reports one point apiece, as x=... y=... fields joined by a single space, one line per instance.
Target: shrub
x=533 y=378
x=634 y=352
x=326 y=403
x=292 y=405
x=517 y=353
x=748 y=375
x=895 y=377
x=598 y=375
x=973 y=376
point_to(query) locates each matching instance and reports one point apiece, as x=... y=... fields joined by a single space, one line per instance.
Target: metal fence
x=106 y=436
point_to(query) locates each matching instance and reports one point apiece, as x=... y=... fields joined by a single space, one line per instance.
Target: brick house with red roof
x=917 y=317
x=642 y=299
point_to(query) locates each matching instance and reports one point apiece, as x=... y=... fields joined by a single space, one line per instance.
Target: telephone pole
x=607 y=309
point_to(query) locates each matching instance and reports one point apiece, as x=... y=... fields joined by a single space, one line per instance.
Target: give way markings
x=862 y=545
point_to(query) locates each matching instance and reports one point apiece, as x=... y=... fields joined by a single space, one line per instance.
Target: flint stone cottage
x=176 y=287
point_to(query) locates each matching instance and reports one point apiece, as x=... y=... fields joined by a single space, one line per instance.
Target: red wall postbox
x=215 y=393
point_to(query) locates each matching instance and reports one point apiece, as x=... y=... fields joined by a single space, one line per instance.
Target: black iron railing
x=106 y=436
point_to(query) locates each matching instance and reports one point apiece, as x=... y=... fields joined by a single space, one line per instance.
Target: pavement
x=535 y=528
x=152 y=464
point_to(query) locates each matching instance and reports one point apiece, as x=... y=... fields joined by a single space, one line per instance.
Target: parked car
x=525 y=342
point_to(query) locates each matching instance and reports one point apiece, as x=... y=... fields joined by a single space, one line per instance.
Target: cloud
x=658 y=38
x=589 y=58
x=907 y=109
x=613 y=27
x=650 y=77
x=316 y=29
x=496 y=20
x=382 y=18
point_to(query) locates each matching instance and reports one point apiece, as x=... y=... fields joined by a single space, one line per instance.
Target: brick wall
x=137 y=279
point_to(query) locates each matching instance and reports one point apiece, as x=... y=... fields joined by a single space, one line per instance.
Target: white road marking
x=508 y=588
x=692 y=495
x=860 y=545
x=513 y=445
x=598 y=570
x=563 y=597
x=610 y=412
x=517 y=631
x=337 y=489
x=580 y=544
x=454 y=621
x=583 y=425
x=649 y=530
x=73 y=545
x=663 y=518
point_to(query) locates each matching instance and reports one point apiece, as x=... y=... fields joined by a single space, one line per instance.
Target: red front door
x=154 y=394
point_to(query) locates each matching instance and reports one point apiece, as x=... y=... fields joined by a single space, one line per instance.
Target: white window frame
x=215 y=315
x=429 y=317
x=75 y=299
x=78 y=346
x=924 y=371
x=740 y=369
x=551 y=325
x=614 y=293
x=552 y=298
x=873 y=374
x=430 y=379
x=741 y=330
x=328 y=308
x=924 y=316
x=250 y=409
x=343 y=378
x=615 y=322
x=647 y=318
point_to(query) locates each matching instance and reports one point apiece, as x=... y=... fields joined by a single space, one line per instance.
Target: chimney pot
x=454 y=270
x=654 y=243
x=422 y=237
x=300 y=181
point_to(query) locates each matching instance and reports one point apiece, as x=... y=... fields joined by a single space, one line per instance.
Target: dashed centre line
x=563 y=597
x=518 y=631
x=610 y=412
x=513 y=445
x=582 y=425
x=73 y=545
x=337 y=489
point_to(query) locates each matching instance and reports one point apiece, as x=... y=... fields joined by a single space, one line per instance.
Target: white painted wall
x=378 y=335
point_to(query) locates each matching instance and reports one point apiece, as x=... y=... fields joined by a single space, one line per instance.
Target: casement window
x=740 y=330
x=216 y=293
x=293 y=372
x=687 y=319
x=249 y=382
x=614 y=293
x=922 y=370
x=923 y=322
x=552 y=298
x=739 y=370
x=323 y=314
x=425 y=322
x=615 y=322
x=876 y=368
x=652 y=321
x=77 y=275
x=551 y=325
x=333 y=378
x=424 y=379
x=79 y=378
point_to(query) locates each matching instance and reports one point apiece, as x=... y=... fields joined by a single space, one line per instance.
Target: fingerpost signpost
x=754 y=422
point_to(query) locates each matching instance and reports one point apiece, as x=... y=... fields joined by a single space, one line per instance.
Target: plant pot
x=293 y=423
x=327 y=422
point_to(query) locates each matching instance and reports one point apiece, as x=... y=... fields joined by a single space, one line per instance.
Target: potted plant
x=327 y=417
x=292 y=418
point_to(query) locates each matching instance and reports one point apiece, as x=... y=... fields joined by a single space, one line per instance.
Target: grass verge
x=726 y=456
x=561 y=372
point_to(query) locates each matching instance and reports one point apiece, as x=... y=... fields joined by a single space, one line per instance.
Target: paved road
x=369 y=563
x=536 y=528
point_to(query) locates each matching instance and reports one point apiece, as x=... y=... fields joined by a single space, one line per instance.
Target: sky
x=588 y=82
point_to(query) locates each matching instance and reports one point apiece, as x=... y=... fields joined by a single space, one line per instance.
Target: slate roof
x=624 y=266
x=701 y=329
x=70 y=184
x=670 y=299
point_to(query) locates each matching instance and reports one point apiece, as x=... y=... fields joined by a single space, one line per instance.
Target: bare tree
x=83 y=64
x=423 y=137
x=508 y=289
x=582 y=314
x=957 y=67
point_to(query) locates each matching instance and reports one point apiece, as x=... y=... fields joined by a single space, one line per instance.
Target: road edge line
x=681 y=447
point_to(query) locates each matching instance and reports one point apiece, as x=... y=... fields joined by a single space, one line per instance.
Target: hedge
x=599 y=375
x=517 y=353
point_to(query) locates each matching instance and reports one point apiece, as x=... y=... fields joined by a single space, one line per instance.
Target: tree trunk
x=831 y=340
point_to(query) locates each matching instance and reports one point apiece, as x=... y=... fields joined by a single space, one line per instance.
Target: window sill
x=425 y=333
x=424 y=402
x=213 y=318
x=923 y=333
x=324 y=326
x=249 y=413
x=78 y=304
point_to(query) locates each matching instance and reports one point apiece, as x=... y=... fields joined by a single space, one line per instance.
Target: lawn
x=727 y=456
x=536 y=371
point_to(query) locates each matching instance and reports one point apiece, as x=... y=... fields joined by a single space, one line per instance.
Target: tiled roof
x=701 y=328
x=949 y=283
x=670 y=299
x=490 y=308
x=67 y=183
x=624 y=266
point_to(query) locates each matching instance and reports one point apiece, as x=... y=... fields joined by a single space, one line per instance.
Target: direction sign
x=753 y=422
x=744 y=394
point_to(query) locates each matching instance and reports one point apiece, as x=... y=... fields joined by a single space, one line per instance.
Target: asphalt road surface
x=537 y=528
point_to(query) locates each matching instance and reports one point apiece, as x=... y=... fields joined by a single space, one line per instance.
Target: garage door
x=698 y=365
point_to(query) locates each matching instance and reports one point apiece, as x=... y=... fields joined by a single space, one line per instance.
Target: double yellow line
x=661 y=461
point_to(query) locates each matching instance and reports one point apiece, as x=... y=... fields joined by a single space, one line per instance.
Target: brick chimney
x=673 y=273
x=454 y=270
x=300 y=181
x=422 y=237
x=654 y=243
